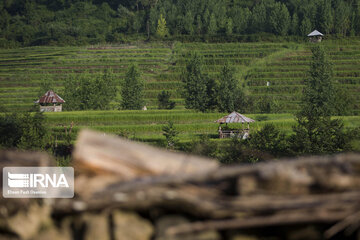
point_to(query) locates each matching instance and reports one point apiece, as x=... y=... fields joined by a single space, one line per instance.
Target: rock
x=244 y=237
x=96 y=227
x=164 y=223
x=130 y=226
x=53 y=234
x=26 y=223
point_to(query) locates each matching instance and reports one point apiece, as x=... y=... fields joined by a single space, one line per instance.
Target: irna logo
x=18 y=180
x=38 y=182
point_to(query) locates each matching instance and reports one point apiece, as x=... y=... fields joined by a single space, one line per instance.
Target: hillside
x=283 y=65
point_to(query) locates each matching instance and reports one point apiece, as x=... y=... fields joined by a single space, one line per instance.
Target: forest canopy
x=76 y=22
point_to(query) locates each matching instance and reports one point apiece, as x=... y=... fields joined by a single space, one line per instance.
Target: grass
x=282 y=64
x=147 y=125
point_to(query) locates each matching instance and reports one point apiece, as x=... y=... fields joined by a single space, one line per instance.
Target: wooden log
x=97 y=153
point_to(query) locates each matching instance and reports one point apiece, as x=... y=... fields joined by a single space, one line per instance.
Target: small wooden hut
x=234 y=117
x=315 y=36
x=50 y=102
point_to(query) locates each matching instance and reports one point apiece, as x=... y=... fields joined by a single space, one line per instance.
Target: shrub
x=269 y=139
x=170 y=134
x=164 y=101
x=132 y=90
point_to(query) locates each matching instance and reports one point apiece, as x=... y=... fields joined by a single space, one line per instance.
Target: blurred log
x=98 y=153
x=114 y=175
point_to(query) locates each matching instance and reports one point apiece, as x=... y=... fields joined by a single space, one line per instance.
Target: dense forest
x=77 y=22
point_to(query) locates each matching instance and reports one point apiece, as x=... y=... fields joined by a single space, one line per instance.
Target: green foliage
x=170 y=134
x=229 y=26
x=267 y=104
x=259 y=18
x=228 y=90
x=344 y=102
x=46 y=84
x=321 y=136
x=325 y=17
x=164 y=100
x=305 y=27
x=316 y=132
x=162 y=30
x=212 y=28
x=280 y=19
x=25 y=131
x=10 y=130
x=132 y=89
x=204 y=147
x=269 y=139
x=28 y=23
x=319 y=91
x=89 y=92
x=199 y=89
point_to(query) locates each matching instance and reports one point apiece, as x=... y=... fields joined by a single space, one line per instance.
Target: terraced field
x=147 y=125
x=283 y=65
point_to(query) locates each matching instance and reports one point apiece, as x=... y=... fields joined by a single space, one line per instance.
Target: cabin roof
x=235 y=117
x=315 y=33
x=50 y=97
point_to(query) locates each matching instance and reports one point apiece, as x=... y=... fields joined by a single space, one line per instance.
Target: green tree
x=342 y=18
x=162 y=30
x=228 y=89
x=164 y=101
x=259 y=18
x=34 y=132
x=305 y=27
x=170 y=134
x=85 y=91
x=10 y=130
x=188 y=23
x=279 y=19
x=241 y=18
x=294 y=28
x=132 y=89
x=198 y=87
x=319 y=90
x=269 y=139
x=212 y=28
x=316 y=132
x=199 y=24
x=46 y=84
x=325 y=16
x=229 y=26
x=25 y=131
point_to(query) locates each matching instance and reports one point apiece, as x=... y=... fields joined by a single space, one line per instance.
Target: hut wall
x=51 y=108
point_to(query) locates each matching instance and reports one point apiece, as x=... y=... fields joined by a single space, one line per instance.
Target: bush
x=132 y=90
x=23 y=131
x=270 y=140
x=170 y=134
x=89 y=92
x=164 y=100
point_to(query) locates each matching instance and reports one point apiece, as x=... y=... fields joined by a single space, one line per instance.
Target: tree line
x=315 y=132
x=79 y=22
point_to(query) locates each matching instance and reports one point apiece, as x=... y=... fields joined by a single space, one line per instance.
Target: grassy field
x=147 y=125
x=283 y=65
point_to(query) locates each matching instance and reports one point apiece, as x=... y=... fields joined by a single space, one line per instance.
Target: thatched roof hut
x=50 y=97
x=235 y=117
x=315 y=36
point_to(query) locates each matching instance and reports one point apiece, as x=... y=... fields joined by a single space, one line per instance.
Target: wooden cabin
x=315 y=36
x=50 y=102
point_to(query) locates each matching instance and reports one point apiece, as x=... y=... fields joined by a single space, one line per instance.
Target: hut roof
x=50 y=97
x=315 y=33
x=235 y=117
